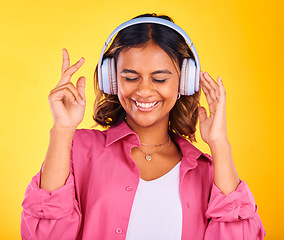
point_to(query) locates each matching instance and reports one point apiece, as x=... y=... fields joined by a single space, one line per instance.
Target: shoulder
x=191 y=152
x=205 y=157
x=205 y=164
x=88 y=137
x=194 y=159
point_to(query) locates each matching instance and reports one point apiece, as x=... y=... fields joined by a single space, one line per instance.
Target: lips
x=145 y=106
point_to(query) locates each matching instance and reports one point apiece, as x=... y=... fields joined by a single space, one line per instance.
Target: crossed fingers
x=64 y=86
x=66 y=70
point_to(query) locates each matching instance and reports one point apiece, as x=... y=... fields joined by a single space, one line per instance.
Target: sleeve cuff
x=235 y=206
x=57 y=204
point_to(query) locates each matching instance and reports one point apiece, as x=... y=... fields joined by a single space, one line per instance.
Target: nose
x=145 y=88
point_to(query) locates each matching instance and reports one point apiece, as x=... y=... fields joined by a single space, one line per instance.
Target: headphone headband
x=156 y=20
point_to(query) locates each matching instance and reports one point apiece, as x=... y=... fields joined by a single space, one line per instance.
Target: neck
x=153 y=134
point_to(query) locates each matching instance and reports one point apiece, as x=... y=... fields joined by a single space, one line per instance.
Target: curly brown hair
x=184 y=115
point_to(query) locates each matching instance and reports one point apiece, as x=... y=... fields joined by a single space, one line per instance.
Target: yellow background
x=240 y=40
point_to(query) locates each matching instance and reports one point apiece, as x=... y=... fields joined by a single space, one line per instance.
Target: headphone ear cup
x=188 y=77
x=112 y=77
x=197 y=79
x=109 y=83
x=182 y=77
x=104 y=86
x=191 y=77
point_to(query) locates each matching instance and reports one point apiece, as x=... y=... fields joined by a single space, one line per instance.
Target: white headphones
x=189 y=77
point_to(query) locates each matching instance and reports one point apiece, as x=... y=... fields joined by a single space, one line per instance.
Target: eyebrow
x=128 y=71
x=155 y=72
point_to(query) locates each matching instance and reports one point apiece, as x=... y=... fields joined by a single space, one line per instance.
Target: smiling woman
x=141 y=178
x=168 y=46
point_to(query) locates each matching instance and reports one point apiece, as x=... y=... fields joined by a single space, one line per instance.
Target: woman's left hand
x=213 y=128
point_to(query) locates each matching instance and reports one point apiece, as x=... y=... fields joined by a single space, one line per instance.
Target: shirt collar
x=117 y=132
x=189 y=151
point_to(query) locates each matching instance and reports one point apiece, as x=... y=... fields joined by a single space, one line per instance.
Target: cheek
x=124 y=92
x=171 y=94
x=172 y=90
x=123 y=88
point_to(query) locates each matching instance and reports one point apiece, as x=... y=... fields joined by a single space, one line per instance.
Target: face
x=147 y=85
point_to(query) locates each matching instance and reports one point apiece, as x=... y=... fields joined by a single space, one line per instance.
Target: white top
x=156 y=210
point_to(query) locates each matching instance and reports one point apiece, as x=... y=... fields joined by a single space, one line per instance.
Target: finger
x=63 y=94
x=210 y=97
x=211 y=80
x=211 y=84
x=221 y=90
x=65 y=61
x=66 y=77
x=209 y=90
x=207 y=94
x=72 y=89
x=202 y=114
x=210 y=100
x=80 y=85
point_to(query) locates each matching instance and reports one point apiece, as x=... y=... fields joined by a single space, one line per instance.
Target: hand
x=213 y=129
x=67 y=102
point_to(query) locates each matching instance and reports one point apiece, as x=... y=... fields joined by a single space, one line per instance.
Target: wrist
x=220 y=148
x=224 y=143
x=56 y=128
x=62 y=131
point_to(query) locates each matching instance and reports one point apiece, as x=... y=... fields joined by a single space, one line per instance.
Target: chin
x=146 y=121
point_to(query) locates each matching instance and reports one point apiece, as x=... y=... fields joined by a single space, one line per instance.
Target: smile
x=146 y=106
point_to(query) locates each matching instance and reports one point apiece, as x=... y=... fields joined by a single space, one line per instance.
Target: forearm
x=225 y=174
x=56 y=165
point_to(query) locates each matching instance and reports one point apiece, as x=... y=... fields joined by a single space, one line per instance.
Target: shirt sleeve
x=51 y=214
x=233 y=216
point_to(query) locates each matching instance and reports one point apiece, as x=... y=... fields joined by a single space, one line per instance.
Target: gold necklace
x=158 y=145
x=148 y=156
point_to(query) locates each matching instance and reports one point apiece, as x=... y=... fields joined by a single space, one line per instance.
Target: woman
x=141 y=178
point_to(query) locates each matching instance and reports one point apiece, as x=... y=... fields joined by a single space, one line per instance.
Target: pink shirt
x=96 y=201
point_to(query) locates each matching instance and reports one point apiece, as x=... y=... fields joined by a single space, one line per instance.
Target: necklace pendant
x=148 y=157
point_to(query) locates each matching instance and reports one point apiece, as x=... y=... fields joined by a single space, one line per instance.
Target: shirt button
x=118 y=230
x=128 y=188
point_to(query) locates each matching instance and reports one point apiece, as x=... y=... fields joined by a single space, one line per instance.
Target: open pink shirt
x=96 y=201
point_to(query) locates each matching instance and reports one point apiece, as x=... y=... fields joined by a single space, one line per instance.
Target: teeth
x=145 y=105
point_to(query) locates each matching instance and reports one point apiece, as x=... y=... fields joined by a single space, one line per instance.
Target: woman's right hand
x=66 y=101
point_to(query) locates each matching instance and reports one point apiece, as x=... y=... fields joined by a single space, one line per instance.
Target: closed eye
x=130 y=79
x=159 y=80
x=155 y=80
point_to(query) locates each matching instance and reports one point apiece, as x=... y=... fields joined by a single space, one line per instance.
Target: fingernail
x=75 y=102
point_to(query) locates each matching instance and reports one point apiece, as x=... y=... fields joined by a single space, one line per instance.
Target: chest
x=160 y=164
x=156 y=211
x=106 y=185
